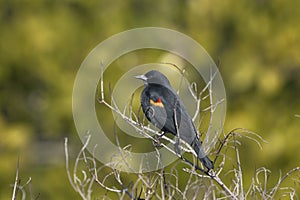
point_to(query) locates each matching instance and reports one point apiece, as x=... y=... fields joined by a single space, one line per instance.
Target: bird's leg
x=156 y=141
x=163 y=133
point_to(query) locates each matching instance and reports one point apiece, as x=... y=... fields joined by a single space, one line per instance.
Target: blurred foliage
x=44 y=42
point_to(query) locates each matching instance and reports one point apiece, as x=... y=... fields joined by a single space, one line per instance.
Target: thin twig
x=239 y=172
x=15 y=190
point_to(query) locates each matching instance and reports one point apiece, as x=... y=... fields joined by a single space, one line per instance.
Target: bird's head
x=154 y=77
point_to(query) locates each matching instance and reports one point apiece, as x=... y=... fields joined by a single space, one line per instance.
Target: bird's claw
x=156 y=141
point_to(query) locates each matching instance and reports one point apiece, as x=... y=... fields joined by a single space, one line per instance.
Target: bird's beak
x=141 y=77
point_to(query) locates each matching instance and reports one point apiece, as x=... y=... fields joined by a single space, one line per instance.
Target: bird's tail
x=207 y=162
x=201 y=154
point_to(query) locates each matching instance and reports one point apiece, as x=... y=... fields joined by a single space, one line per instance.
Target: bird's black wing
x=155 y=114
x=172 y=116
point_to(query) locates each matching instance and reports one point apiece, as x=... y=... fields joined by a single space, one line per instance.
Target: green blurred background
x=44 y=42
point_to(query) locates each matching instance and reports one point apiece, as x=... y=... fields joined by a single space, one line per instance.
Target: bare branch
x=166 y=184
x=15 y=190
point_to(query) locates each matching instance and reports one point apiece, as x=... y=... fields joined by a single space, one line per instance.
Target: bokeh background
x=44 y=42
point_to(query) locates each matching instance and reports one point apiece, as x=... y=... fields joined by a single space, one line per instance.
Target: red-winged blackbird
x=164 y=109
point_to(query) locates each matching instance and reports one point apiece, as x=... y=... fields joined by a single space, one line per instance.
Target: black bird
x=164 y=109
